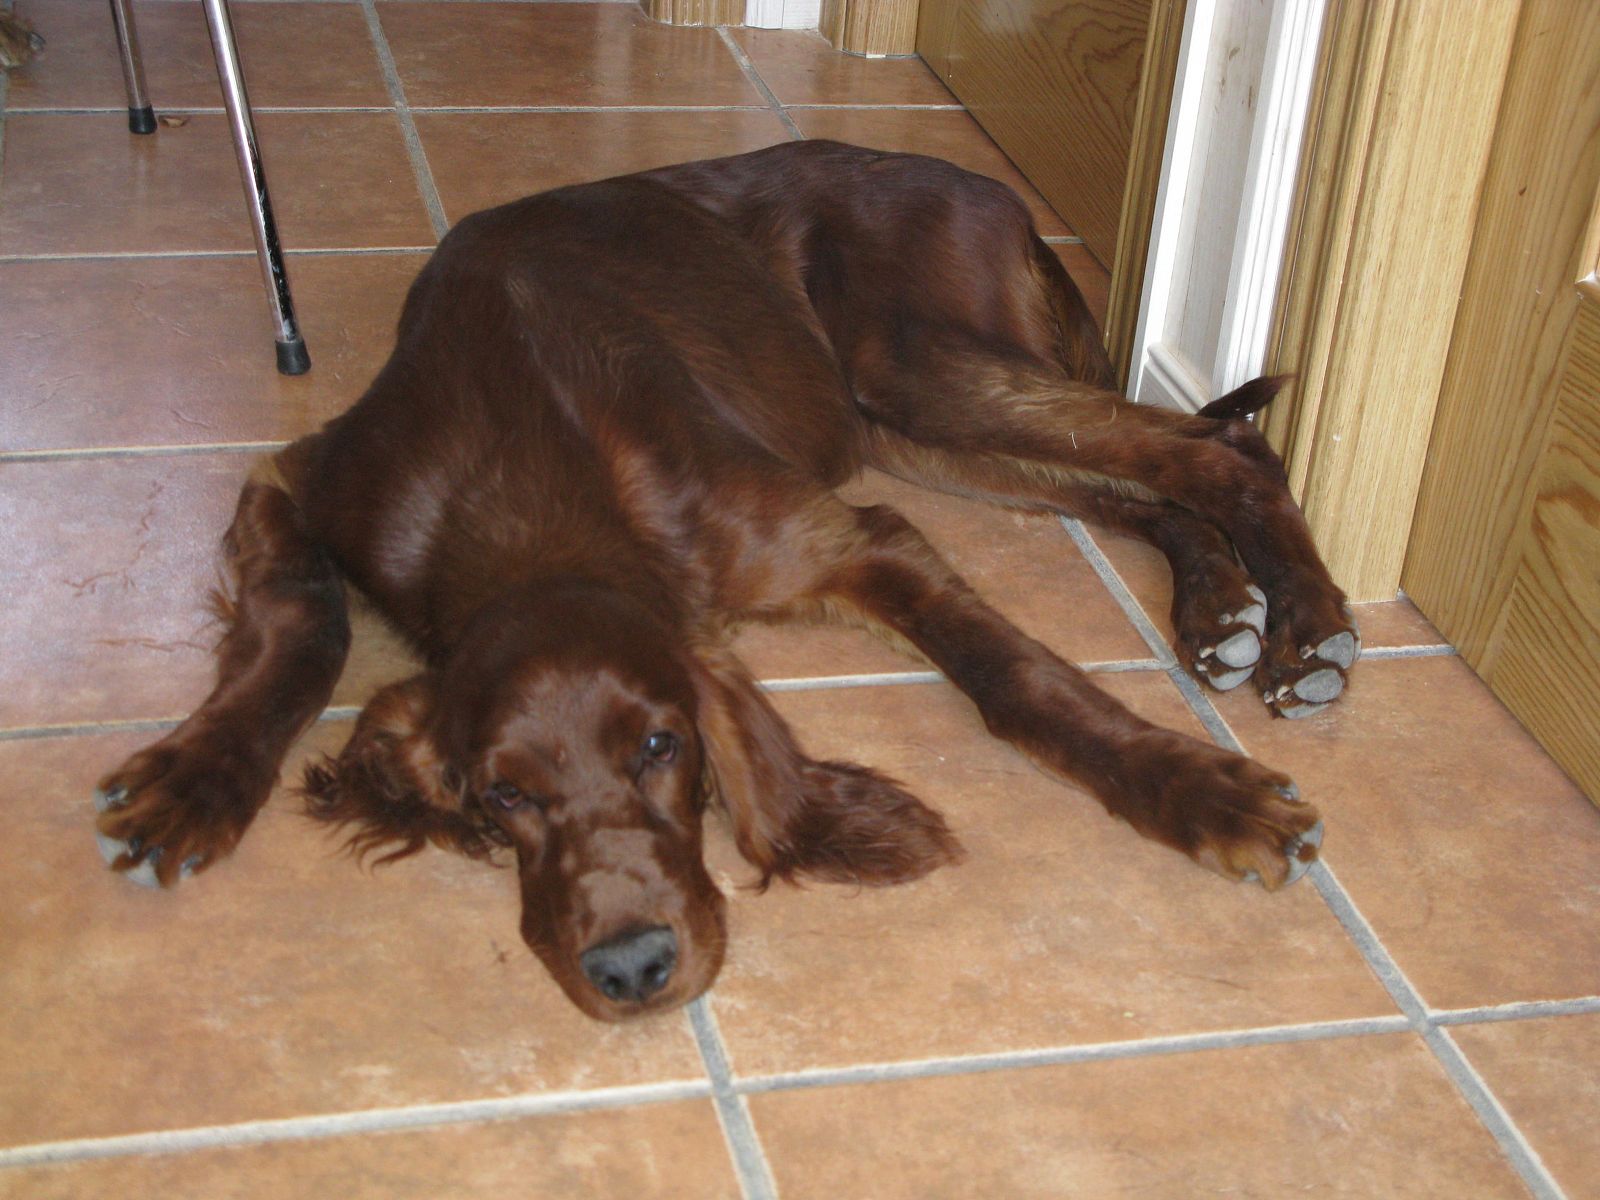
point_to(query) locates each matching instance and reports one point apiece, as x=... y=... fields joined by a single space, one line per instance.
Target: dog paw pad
x=1243 y=649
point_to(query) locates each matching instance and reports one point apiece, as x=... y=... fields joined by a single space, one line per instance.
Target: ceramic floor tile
x=557 y=54
x=1062 y=927
x=111 y=562
x=1093 y=280
x=82 y=184
x=1546 y=1073
x=296 y=55
x=166 y=352
x=656 y=1150
x=1355 y=1118
x=1465 y=846
x=802 y=67
x=1023 y=564
x=282 y=982
x=480 y=160
x=950 y=135
x=1384 y=624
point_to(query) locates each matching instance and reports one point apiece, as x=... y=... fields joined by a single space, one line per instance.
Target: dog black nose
x=634 y=965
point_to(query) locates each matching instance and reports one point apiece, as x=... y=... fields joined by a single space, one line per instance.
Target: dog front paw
x=176 y=808
x=1227 y=812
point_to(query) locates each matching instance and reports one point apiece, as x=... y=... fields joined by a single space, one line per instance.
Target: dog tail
x=1246 y=400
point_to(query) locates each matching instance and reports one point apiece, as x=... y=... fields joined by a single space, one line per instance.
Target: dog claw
x=106 y=800
x=111 y=849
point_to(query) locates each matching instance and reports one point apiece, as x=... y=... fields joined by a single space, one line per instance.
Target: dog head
x=578 y=728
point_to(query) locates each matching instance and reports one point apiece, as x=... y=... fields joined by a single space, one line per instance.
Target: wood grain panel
x=696 y=12
x=1547 y=670
x=1517 y=304
x=1408 y=118
x=1056 y=83
x=870 y=26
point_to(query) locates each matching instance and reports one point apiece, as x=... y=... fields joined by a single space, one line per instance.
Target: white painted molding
x=783 y=14
x=1253 y=152
x=1161 y=261
x=1171 y=382
x=1268 y=192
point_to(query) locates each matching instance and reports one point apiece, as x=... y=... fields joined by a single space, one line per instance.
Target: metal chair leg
x=292 y=356
x=141 y=117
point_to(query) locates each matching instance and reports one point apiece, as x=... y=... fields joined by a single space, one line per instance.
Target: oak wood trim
x=695 y=12
x=1404 y=118
x=870 y=26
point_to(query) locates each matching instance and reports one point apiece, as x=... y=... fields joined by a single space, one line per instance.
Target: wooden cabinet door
x=1056 y=83
x=1547 y=668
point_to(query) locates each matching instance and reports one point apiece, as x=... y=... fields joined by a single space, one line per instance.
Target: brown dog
x=611 y=427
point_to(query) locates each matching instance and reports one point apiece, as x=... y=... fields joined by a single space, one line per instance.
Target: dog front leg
x=178 y=806
x=1223 y=810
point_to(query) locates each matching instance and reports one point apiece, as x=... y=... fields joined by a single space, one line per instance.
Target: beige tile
x=166 y=352
x=557 y=54
x=950 y=135
x=1062 y=927
x=1093 y=280
x=82 y=184
x=111 y=562
x=1466 y=847
x=283 y=982
x=1357 y=1118
x=1546 y=1073
x=802 y=67
x=656 y=1150
x=484 y=159
x=1386 y=624
x=293 y=55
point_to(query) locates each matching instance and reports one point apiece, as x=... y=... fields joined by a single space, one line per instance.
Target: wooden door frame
x=1401 y=124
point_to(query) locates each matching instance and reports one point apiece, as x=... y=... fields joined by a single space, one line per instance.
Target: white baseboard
x=1166 y=380
x=783 y=14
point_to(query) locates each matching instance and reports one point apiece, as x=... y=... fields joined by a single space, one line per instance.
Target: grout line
x=470 y=109
x=375 y=1120
x=203 y=110
x=1379 y=653
x=1119 y=591
x=1473 y=1088
x=1057 y=239
x=1522 y=1157
x=760 y=84
x=884 y=107
x=744 y=1145
x=26 y=456
x=1523 y=1010
x=113 y=255
x=408 y=126
x=1007 y=1060
x=349 y=712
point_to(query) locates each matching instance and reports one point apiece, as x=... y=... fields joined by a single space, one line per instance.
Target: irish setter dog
x=611 y=428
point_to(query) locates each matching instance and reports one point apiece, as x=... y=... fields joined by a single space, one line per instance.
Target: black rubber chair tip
x=292 y=357
x=142 y=120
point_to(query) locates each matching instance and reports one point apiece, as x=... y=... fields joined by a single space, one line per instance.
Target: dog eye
x=661 y=748
x=504 y=795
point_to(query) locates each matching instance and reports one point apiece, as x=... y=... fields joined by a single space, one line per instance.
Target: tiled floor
x=1071 y=1013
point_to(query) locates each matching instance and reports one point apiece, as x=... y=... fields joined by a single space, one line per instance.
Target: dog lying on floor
x=611 y=428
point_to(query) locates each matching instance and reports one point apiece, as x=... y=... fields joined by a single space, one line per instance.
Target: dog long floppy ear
x=393 y=786
x=795 y=816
